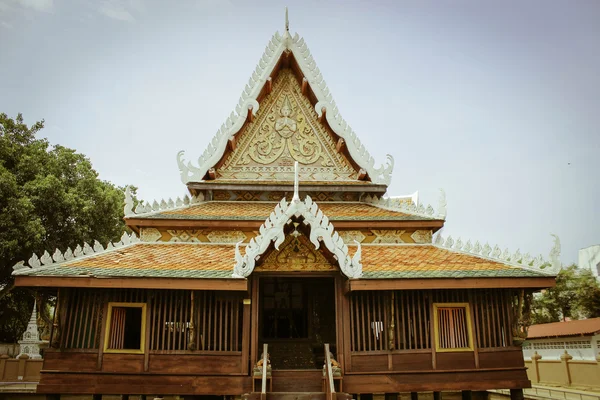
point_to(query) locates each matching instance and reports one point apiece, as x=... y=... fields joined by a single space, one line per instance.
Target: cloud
x=115 y=10
x=37 y=5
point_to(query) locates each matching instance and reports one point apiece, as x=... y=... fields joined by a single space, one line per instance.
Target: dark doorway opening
x=296 y=318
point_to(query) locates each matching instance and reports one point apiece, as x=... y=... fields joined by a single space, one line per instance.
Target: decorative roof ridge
x=321 y=230
x=46 y=261
x=516 y=259
x=147 y=209
x=394 y=203
x=248 y=104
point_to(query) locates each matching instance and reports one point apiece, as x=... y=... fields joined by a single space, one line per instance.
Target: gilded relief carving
x=205 y=236
x=421 y=236
x=150 y=235
x=296 y=254
x=285 y=130
x=388 y=236
x=350 y=236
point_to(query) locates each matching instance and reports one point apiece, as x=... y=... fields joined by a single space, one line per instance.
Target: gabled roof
x=249 y=105
x=272 y=231
x=568 y=328
x=215 y=261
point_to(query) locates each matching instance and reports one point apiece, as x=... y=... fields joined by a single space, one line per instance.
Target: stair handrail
x=329 y=386
x=263 y=393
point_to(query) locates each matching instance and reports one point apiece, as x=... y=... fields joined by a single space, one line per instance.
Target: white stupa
x=31 y=342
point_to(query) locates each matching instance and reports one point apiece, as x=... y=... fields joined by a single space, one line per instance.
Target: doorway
x=296 y=317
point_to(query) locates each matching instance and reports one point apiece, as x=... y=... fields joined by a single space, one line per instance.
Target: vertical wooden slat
x=220 y=323
x=182 y=322
x=204 y=330
x=211 y=326
x=363 y=322
x=71 y=312
x=160 y=338
x=88 y=310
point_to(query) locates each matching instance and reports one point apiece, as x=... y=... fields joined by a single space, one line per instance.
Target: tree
x=575 y=296
x=50 y=197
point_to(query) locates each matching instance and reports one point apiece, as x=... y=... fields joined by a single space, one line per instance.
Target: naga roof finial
x=287 y=21
x=296 y=197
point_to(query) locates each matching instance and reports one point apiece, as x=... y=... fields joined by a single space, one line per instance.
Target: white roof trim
x=396 y=203
x=146 y=208
x=46 y=261
x=321 y=231
x=515 y=259
x=325 y=103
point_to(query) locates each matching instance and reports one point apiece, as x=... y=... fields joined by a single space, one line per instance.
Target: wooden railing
x=329 y=386
x=263 y=392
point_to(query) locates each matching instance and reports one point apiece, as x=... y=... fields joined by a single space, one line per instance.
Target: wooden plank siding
x=386 y=342
x=410 y=340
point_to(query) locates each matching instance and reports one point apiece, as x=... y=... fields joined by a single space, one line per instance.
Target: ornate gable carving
x=296 y=254
x=286 y=129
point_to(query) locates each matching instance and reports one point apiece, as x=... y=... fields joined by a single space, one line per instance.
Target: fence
x=564 y=372
x=23 y=369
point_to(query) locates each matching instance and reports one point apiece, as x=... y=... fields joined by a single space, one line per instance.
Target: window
x=125 y=328
x=453 y=327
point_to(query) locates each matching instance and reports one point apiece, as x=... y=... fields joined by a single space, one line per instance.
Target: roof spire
x=287 y=21
x=296 y=197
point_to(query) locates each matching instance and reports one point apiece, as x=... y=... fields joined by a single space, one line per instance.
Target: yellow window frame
x=112 y=305
x=466 y=306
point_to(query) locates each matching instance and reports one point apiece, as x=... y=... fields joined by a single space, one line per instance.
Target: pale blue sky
x=496 y=102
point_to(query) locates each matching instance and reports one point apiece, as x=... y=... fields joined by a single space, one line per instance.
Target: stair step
x=295 y=396
x=298 y=381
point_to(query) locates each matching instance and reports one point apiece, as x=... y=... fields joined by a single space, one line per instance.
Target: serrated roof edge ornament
x=397 y=204
x=321 y=231
x=147 y=208
x=515 y=259
x=325 y=104
x=46 y=261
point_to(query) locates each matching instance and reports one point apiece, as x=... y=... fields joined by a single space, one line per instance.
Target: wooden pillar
x=516 y=394
x=437 y=395
x=414 y=396
x=247 y=313
x=467 y=395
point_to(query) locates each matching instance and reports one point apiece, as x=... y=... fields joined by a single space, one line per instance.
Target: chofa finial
x=296 y=197
x=287 y=21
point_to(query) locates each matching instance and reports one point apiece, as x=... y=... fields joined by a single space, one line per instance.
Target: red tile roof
x=567 y=328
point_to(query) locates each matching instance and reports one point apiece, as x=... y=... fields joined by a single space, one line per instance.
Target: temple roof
x=305 y=129
x=253 y=210
x=202 y=260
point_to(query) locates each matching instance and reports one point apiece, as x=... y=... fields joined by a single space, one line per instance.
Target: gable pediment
x=286 y=129
x=296 y=253
x=248 y=109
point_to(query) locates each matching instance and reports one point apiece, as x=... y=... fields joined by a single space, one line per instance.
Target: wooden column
x=516 y=394
x=254 y=316
x=103 y=323
x=437 y=395
x=414 y=396
x=247 y=312
x=467 y=395
x=474 y=330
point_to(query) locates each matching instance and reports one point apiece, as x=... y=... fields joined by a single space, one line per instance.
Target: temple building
x=289 y=242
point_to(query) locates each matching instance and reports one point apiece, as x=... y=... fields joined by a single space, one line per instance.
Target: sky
x=498 y=103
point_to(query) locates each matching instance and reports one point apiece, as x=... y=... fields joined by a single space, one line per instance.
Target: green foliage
x=50 y=197
x=575 y=296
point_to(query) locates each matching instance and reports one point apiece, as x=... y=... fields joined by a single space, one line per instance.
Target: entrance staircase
x=296 y=384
